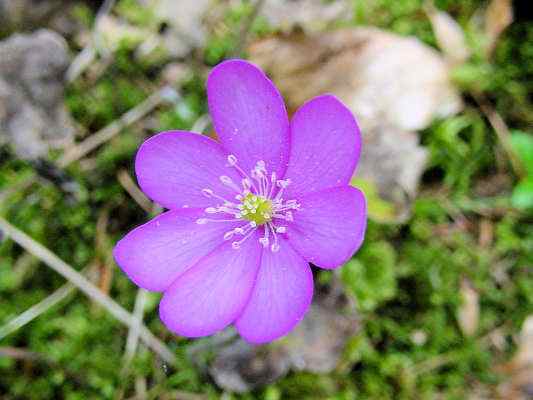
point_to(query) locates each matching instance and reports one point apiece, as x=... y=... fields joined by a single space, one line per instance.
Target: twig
x=40 y=308
x=129 y=186
x=201 y=124
x=94 y=47
x=34 y=311
x=502 y=132
x=431 y=364
x=114 y=128
x=133 y=335
x=247 y=26
x=86 y=287
x=19 y=354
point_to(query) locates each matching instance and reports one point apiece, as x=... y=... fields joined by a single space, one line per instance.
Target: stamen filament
x=256 y=204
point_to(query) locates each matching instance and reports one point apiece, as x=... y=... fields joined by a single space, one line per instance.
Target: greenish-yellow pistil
x=256 y=208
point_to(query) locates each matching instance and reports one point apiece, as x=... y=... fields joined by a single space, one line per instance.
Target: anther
x=232 y=160
x=207 y=192
x=281 y=229
x=274 y=247
x=228 y=235
x=201 y=221
x=226 y=180
x=283 y=183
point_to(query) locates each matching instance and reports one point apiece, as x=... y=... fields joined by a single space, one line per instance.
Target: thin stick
x=502 y=131
x=19 y=354
x=115 y=127
x=40 y=308
x=133 y=335
x=58 y=265
x=201 y=124
x=95 y=46
x=129 y=186
x=247 y=26
x=34 y=311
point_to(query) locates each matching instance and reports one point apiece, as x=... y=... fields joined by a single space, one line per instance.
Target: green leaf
x=522 y=196
x=522 y=143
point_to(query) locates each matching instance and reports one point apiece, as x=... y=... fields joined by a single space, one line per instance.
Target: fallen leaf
x=468 y=313
x=394 y=85
x=393 y=160
x=519 y=371
x=185 y=19
x=386 y=79
x=309 y=15
x=114 y=31
x=449 y=34
x=498 y=17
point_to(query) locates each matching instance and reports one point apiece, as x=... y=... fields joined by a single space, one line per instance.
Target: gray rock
x=16 y=15
x=32 y=111
x=315 y=345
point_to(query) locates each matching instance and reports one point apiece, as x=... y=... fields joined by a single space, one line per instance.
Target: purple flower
x=249 y=213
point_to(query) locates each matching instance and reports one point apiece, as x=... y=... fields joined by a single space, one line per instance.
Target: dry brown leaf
x=309 y=15
x=449 y=34
x=394 y=85
x=186 y=29
x=386 y=79
x=519 y=385
x=498 y=17
x=468 y=313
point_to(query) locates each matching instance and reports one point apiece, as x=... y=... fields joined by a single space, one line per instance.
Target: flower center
x=260 y=205
x=256 y=208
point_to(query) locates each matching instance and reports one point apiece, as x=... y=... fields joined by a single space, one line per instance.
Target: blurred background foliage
x=467 y=246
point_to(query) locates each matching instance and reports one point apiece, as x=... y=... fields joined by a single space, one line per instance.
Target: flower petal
x=213 y=293
x=280 y=298
x=330 y=226
x=173 y=167
x=325 y=146
x=249 y=115
x=155 y=254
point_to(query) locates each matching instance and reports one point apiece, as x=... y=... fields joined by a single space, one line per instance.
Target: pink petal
x=280 y=298
x=213 y=293
x=156 y=253
x=173 y=167
x=325 y=146
x=330 y=226
x=249 y=115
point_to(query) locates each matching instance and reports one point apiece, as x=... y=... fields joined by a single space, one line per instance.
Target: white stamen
x=207 y=192
x=255 y=190
x=226 y=180
x=232 y=160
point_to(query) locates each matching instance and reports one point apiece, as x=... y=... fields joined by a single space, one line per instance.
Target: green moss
x=405 y=280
